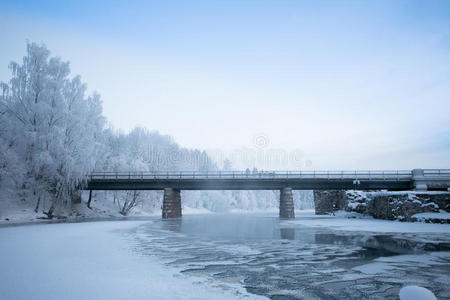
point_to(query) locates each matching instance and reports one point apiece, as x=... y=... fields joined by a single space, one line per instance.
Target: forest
x=53 y=134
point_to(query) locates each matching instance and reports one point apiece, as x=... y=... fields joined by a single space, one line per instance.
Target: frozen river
x=220 y=256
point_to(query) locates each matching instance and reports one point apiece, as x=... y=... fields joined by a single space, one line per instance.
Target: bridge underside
x=249 y=184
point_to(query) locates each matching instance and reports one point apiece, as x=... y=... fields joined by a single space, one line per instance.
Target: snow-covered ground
x=343 y=222
x=441 y=215
x=14 y=209
x=416 y=293
x=18 y=212
x=91 y=261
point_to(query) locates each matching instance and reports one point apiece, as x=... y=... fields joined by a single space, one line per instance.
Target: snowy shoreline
x=344 y=222
x=341 y=221
x=97 y=216
x=98 y=257
x=73 y=220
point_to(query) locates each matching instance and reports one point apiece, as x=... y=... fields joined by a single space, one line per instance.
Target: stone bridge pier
x=171 y=207
x=286 y=204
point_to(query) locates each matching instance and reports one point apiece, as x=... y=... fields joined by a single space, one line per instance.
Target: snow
x=442 y=214
x=389 y=264
x=92 y=261
x=257 y=211
x=20 y=212
x=413 y=292
x=194 y=211
x=374 y=268
x=429 y=259
x=366 y=224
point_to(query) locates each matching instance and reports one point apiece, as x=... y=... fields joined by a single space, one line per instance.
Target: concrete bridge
x=285 y=181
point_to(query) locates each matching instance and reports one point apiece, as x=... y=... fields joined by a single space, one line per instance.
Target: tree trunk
x=49 y=213
x=90 y=199
x=37 y=204
x=75 y=196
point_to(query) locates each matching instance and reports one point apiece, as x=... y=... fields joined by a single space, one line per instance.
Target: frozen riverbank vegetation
x=411 y=206
x=52 y=134
x=405 y=206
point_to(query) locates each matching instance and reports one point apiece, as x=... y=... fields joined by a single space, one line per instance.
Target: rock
x=402 y=206
x=413 y=292
x=356 y=202
x=326 y=202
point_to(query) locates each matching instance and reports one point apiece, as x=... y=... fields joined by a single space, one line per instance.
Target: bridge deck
x=231 y=180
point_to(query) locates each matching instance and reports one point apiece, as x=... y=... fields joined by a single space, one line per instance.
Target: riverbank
x=21 y=213
x=345 y=221
x=91 y=261
x=405 y=206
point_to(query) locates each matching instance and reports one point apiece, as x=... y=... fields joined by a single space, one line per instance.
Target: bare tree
x=131 y=201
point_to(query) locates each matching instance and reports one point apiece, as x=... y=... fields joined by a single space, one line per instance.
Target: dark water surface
x=283 y=261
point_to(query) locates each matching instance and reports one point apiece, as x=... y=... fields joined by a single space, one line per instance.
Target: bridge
x=285 y=181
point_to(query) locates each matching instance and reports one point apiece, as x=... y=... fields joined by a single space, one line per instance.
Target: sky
x=272 y=84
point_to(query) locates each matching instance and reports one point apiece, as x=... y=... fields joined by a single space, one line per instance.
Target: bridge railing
x=327 y=175
x=436 y=173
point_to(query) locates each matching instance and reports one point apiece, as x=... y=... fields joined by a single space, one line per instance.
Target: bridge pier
x=286 y=204
x=171 y=203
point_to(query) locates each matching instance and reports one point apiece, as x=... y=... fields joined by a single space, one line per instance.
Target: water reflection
x=287 y=233
x=173 y=225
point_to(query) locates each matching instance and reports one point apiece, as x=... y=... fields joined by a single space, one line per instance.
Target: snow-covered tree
x=52 y=135
x=51 y=124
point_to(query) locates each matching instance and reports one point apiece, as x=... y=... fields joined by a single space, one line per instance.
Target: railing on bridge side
x=436 y=173
x=390 y=175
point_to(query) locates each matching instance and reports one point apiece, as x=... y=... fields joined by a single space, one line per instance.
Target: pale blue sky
x=352 y=84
